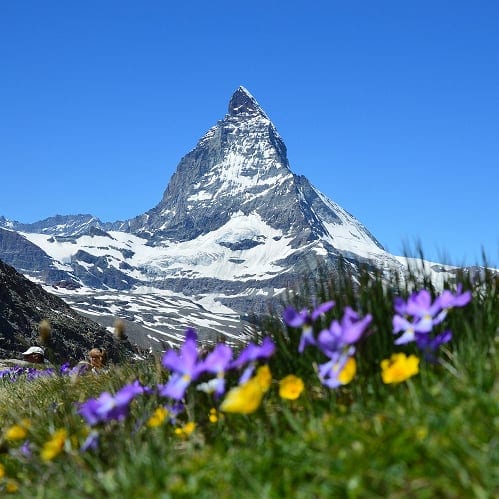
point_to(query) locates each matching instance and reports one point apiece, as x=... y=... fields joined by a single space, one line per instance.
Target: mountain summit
x=234 y=226
x=239 y=174
x=242 y=102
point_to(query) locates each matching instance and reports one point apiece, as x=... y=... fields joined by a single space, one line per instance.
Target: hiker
x=97 y=358
x=34 y=355
x=95 y=363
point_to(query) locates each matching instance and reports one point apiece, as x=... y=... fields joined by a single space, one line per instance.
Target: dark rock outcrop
x=23 y=305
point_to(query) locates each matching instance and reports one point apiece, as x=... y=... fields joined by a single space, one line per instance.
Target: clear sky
x=390 y=108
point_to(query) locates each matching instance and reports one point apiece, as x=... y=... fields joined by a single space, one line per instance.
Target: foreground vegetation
x=421 y=428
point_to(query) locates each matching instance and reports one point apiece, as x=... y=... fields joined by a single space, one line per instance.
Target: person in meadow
x=96 y=361
x=33 y=357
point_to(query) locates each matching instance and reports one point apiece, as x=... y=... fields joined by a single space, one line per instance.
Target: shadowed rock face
x=24 y=304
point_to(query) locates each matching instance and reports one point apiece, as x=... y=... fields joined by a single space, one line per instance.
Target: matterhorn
x=234 y=228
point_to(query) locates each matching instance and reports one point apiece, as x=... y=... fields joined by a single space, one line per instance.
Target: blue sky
x=391 y=108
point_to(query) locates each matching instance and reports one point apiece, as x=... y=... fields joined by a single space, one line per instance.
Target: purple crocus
x=184 y=366
x=305 y=319
x=217 y=362
x=251 y=354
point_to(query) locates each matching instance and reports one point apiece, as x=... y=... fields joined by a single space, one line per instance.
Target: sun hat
x=31 y=350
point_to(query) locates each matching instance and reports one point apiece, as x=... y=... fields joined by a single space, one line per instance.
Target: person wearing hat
x=34 y=355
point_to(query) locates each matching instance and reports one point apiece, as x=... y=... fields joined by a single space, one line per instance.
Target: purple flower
x=448 y=300
x=91 y=442
x=25 y=449
x=108 y=407
x=425 y=314
x=330 y=371
x=429 y=345
x=65 y=368
x=254 y=352
x=217 y=362
x=251 y=354
x=184 y=366
x=305 y=320
x=340 y=335
x=33 y=373
x=417 y=317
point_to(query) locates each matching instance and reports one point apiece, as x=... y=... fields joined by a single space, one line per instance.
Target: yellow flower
x=16 y=432
x=290 y=387
x=348 y=372
x=243 y=399
x=246 y=398
x=54 y=446
x=264 y=377
x=399 y=368
x=2 y=470
x=213 y=415
x=158 y=417
x=186 y=430
x=11 y=487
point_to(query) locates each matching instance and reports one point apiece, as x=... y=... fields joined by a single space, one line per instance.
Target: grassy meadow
x=421 y=431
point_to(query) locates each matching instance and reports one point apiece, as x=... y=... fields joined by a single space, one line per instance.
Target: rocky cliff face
x=24 y=304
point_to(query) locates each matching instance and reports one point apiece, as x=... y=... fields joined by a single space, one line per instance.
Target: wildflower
x=290 y=387
x=348 y=372
x=65 y=368
x=251 y=354
x=341 y=334
x=54 y=446
x=399 y=368
x=217 y=362
x=25 y=449
x=18 y=431
x=448 y=300
x=340 y=370
x=246 y=398
x=185 y=430
x=91 y=442
x=184 y=365
x=429 y=345
x=11 y=487
x=107 y=407
x=264 y=377
x=210 y=387
x=213 y=415
x=2 y=470
x=158 y=417
x=419 y=315
x=305 y=320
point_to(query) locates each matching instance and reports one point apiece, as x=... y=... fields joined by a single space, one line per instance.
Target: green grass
x=434 y=435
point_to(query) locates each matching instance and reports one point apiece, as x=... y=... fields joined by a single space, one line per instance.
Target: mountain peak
x=243 y=102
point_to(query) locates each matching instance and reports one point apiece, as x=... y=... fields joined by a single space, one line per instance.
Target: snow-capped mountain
x=235 y=226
